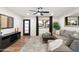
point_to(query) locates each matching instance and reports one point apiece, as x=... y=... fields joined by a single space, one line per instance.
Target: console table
x=8 y=39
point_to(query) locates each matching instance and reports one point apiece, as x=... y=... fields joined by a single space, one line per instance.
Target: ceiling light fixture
x=39 y=11
x=28 y=14
x=52 y=14
x=38 y=14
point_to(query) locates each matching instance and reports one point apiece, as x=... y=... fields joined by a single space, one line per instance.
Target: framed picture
x=10 y=22
x=43 y=23
x=72 y=21
x=6 y=21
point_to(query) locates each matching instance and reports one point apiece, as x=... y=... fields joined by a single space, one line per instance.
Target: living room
x=61 y=15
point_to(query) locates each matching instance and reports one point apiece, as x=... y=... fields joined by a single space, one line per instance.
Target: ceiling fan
x=39 y=11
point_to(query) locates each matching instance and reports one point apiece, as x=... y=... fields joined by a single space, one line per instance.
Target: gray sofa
x=67 y=38
x=66 y=35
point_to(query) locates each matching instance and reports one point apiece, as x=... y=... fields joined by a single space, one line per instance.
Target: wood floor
x=16 y=47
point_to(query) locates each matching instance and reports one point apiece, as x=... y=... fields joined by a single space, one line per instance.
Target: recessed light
x=38 y=14
x=28 y=14
x=52 y=14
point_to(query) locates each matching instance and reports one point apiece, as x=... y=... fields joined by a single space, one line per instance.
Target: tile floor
x=17 y=45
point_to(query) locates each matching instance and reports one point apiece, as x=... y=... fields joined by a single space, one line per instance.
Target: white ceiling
x=56 y=11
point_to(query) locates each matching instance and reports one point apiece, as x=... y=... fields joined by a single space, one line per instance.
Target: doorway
x=43 y=24
x=26 y=27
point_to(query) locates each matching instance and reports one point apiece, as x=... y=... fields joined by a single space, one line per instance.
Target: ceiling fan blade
x=41 y=14
x=39 y=11
x=44 y=12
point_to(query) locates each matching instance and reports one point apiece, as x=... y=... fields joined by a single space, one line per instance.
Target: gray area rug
x=75 y=46
x=34 y=45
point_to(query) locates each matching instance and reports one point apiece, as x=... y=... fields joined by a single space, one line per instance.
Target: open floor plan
x=39 y=29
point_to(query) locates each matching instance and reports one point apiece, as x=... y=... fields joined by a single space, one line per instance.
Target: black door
x=26 y=27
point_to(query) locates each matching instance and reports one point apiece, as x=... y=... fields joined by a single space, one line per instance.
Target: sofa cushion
x=62 y=32
x=67 y=40
x=55 y=44
x=66 y=34
x=58 y=46
x=63 y=48
x=61 y=37
x=76 y=34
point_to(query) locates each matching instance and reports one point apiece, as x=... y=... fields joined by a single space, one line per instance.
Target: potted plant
x=56 y=27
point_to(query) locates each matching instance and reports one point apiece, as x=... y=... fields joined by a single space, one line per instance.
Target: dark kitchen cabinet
x=8 y=39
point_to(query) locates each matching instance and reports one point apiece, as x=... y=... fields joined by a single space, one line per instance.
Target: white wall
x=17 y=20
x=55 y=19
x=61 y=21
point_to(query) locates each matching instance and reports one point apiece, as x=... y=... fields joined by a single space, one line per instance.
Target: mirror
x=10 y=22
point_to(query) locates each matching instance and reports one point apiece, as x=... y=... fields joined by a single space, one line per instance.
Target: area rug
x=76 y=48
x=34 y=45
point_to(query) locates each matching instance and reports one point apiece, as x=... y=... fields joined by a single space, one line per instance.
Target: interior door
x=26 y=27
